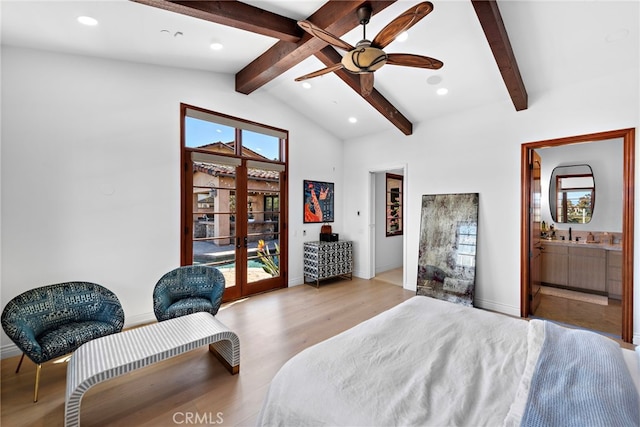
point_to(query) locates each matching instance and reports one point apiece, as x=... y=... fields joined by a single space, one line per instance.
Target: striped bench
x=114 y=355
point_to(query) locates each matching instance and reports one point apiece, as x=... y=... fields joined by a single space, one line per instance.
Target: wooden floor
x=272 y=328
x=603 y=318
x=391 y=276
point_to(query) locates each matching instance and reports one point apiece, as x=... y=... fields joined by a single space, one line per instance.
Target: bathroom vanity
x=589 y=267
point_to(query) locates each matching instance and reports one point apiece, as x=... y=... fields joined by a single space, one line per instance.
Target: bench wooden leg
x=222 y=350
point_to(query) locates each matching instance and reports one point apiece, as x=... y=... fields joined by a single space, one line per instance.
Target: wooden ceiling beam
x=336 y=16
x=496 y=34
x=330 y=56
x=294 y=45
x=235 y=14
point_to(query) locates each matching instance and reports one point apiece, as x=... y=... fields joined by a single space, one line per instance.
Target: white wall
x=388 y=249
x=605 y=159
x=90 y=170
x=90 y=181
x=479 y=151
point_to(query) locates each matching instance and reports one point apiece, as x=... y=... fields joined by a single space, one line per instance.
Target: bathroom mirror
x=572 y=194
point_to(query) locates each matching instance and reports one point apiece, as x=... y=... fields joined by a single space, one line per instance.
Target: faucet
x=569 y=233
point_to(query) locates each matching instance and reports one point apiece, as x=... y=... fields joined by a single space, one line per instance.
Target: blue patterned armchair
x=54 y=320
x=186 y=290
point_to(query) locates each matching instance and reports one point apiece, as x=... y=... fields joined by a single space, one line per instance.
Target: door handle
x=238 y=242
x=245 y=242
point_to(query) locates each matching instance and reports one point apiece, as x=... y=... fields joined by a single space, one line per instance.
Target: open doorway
x=531 y=219
x=387 y=217
x=580 y=235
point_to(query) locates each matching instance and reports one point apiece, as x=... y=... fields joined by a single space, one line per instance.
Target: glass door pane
x=234 y=200
x=263 y=221
x=214 y=217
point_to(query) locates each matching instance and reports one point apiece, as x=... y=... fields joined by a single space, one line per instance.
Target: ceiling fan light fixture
x=364 y=58
x=367 y=56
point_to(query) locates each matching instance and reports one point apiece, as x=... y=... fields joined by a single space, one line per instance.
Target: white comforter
x=423 y=362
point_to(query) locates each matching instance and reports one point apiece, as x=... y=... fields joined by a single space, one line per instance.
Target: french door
x=233 y=218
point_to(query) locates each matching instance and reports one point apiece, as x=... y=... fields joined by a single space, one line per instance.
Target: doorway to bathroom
x=531 y=244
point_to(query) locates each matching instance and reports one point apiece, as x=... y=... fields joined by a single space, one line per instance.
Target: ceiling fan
x=368 y=56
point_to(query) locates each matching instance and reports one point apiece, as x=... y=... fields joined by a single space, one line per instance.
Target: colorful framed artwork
x=318 y=201
x=447 y=247
x=393 y=221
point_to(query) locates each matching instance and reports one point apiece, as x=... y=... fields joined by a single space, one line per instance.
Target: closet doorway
x=530 y=219
x=386 y=227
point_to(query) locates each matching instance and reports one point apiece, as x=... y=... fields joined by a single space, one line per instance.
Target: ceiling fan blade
x=409 y=60
x=402 y=23
x=323 y=35
x=327 y=70
x=366 y=83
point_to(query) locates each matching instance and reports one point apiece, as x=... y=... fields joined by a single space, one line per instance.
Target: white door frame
x=372 y=217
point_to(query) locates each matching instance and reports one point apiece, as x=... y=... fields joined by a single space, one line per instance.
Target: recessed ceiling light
x=617 y=35
x=403 y=36
x=216 y=46
x=434 y=80
x=442 y=91
x=353 y=120
x=87 y=20
x=306 y=85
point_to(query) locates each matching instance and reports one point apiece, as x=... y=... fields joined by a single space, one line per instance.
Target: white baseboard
x=139 y=319
x=387 y=267
x=361 y=275
x=496 y=306
x=295 y=281
x=9 y=350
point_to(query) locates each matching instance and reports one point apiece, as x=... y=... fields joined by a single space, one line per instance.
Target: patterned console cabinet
x=323 y=260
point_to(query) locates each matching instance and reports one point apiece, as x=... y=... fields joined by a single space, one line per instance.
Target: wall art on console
x=447 y=247
x=318 y=201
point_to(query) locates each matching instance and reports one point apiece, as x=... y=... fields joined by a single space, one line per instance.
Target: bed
x=428 y=362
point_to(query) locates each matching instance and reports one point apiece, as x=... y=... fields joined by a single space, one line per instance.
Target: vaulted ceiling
x=509 y=52
x=337 y=18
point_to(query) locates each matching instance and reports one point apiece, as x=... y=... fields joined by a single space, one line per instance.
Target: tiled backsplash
x=599 y=236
